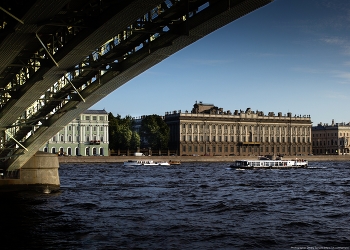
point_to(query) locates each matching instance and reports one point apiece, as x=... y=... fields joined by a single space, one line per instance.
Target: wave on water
x=191 y=206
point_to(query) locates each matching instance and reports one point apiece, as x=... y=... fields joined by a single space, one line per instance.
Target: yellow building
x=331 y=139
x=208 y=130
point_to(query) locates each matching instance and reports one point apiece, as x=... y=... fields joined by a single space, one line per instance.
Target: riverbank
x=121 y=159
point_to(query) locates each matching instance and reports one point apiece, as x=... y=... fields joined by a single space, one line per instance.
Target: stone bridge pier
x=40 y=173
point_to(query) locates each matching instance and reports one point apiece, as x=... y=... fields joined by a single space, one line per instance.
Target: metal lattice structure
x=60 y=57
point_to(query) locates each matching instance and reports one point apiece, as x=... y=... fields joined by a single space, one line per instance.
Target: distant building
x=208 y=130
x=85 y=135
x=331 y=139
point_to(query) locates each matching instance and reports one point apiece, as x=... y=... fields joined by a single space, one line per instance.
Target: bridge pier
x=40 y=173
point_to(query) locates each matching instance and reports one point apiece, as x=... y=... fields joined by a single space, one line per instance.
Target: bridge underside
x=60 y=57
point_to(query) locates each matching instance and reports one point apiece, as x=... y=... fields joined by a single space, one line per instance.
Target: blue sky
x=289 y=56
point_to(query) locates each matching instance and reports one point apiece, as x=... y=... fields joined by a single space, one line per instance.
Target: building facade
x=85 y=135
x=208 y=130
x=331 y=139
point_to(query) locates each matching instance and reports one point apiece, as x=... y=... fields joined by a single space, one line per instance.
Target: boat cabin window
x=241 y=163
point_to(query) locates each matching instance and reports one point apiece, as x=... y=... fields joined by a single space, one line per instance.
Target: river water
x=191 y=206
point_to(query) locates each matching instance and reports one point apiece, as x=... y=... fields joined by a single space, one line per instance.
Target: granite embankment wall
x=120 y=159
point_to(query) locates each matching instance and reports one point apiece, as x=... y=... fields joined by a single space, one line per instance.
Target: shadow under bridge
x=53 y=66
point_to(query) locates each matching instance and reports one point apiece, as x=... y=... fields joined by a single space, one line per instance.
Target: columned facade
x=86 y=135
x=331 y=139
x=208 y=130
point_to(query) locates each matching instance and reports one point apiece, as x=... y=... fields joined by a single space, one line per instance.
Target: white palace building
x=85 y=135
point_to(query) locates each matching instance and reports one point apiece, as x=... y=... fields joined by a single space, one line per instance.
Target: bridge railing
x=144 y=30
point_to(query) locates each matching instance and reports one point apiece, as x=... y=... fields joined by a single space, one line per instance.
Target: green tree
x=135 y=140
x=155 y=132
x=120 y=132
x=112 y=129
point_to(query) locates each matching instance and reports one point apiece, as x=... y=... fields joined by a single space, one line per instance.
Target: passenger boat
x=145 y=163
x=132 y=163
x=269 y=164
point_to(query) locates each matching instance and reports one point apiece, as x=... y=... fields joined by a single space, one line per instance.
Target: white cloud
x=337 y=95
x=343 y=75
x=343 y=44
x=334 y=40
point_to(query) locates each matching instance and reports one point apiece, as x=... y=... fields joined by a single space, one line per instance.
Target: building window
x=87 y=118
x=94 y=118
x=102 y=118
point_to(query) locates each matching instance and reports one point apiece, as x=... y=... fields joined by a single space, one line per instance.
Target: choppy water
x=191 y=206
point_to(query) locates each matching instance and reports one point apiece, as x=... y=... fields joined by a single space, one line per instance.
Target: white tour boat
x=146 y=163
x=269 y=164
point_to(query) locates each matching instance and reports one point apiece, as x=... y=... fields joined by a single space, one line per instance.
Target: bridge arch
x=67 y=70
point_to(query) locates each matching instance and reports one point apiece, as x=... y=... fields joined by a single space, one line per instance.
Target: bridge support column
x=40 y=173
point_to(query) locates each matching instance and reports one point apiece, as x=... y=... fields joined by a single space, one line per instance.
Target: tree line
x=153 y=132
